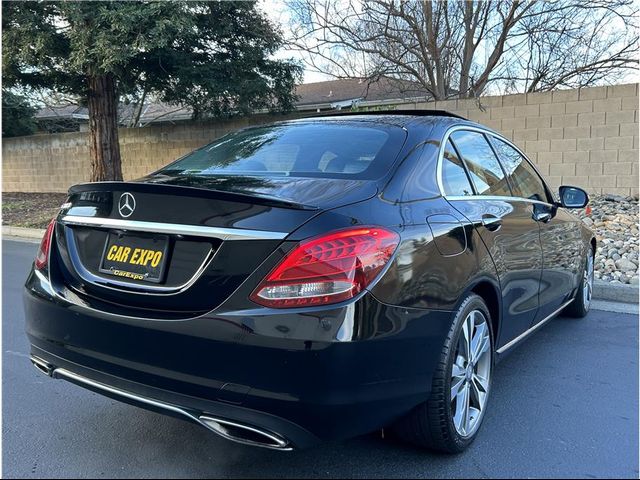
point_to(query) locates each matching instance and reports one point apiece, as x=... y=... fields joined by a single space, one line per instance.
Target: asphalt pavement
x=564 y=404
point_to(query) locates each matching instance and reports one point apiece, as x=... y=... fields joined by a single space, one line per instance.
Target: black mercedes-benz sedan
x=312 y=279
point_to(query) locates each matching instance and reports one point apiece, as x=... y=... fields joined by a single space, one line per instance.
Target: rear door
x=559 y=233
x=505 y=224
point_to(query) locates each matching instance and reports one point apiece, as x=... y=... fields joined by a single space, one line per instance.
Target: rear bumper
x=301 y=377
x=172 y=404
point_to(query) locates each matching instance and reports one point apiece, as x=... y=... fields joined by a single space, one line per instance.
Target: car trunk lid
x=207 y=239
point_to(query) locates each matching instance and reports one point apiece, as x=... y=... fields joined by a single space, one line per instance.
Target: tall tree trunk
x=104 y=146
x=467 y=50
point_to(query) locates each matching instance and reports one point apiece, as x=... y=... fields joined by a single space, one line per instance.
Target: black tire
x=580 y=305
x=430 y=425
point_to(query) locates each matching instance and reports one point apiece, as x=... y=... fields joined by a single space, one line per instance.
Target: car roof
x=399 y=118
x=406 y=113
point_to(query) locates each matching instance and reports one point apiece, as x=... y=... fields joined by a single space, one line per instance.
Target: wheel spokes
x=457 y=379
x=473 y=415
x=588 y=280
x=479 y=342
x=467 y=334
x=470 y=373
x=467 y=405
x=479 y=389
x=461 y=417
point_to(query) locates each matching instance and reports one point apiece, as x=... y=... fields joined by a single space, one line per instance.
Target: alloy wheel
x=470 y=374
x=587 y=284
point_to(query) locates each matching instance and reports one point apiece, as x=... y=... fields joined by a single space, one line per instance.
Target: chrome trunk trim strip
x=225 y=234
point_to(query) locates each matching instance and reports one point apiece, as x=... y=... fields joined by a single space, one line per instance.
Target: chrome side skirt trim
x=217 y=425
x=225 y=234
x=523 y=335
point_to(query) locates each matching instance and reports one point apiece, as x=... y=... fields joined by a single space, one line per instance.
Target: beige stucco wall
x=586 y=137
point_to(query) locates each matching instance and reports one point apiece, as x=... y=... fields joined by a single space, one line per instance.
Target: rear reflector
x=328 y=269
x=42 y=257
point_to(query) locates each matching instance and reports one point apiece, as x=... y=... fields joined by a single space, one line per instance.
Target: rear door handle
x=491 y=222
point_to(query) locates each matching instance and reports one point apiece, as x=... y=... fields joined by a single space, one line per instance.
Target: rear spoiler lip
x=146 y=187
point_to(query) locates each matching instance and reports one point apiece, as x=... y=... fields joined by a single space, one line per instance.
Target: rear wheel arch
x=432 y=424
x=490 y=293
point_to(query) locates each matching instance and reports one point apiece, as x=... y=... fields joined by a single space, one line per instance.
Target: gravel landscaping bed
x=31 y=210
x=614 y=220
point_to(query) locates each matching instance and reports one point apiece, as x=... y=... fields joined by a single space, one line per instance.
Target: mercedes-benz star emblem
x=126 y=204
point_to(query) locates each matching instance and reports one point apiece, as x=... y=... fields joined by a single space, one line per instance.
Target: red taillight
x=42 y=257
x=587 y=210
x=328 y=269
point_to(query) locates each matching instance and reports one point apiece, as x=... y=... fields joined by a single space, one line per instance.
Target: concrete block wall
x=52 y=163
x=586 y=137
x=44 y=163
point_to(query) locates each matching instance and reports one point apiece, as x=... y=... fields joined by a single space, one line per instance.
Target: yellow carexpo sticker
x=122 y=273
x=134 y=256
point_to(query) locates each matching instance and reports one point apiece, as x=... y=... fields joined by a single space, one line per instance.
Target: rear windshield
x=311 y=149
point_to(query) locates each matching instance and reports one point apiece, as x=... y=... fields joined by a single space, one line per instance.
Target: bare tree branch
x=464 y=49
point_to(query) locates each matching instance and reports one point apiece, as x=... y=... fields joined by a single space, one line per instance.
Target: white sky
x=278 y=13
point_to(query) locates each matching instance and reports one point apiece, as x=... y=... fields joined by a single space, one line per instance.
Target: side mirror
x=573 y=197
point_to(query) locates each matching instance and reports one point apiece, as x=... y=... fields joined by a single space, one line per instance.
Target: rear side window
x=525 y=181
x=485 y=170
x=340 y=149
x=454 y=178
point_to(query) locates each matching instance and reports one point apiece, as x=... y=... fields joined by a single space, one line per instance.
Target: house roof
x=331 y=94
x=62 y=112
x=151 y=112
x=353 y=89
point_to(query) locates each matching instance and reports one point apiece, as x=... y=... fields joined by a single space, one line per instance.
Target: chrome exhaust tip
x=245 y=434
x=42 y=366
